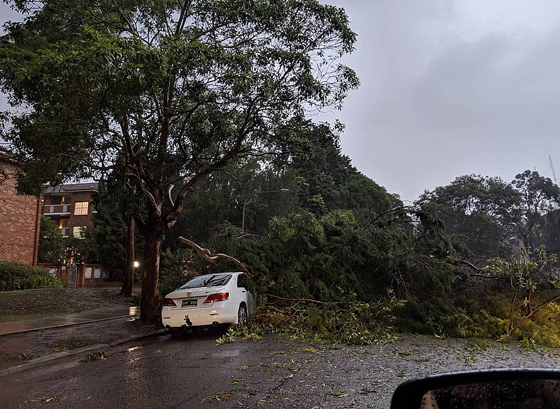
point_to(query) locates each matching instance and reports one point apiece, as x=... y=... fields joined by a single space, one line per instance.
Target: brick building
x=20 y=217
x=70 y=206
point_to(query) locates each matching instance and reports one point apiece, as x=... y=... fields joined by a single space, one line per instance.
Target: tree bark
x=128 y=279
x=150 y=305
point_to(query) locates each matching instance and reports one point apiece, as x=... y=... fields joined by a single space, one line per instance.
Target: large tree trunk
x=150 y=304
x=128 y=279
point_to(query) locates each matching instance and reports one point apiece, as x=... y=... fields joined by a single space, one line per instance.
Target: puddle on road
x=226 y=354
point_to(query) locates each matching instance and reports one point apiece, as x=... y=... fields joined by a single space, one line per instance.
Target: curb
x=59 y=355
x=23 y=331
x=136 y=337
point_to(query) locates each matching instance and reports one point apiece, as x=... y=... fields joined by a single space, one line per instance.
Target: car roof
x=225 y=272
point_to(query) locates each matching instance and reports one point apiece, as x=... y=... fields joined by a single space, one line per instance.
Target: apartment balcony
x=57 y=210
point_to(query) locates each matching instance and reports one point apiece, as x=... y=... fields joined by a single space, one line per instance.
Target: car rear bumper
x=195 y=317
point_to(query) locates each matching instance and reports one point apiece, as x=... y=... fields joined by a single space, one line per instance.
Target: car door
x=246 y=294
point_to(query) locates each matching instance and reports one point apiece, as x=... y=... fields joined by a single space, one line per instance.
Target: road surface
x=193 y=371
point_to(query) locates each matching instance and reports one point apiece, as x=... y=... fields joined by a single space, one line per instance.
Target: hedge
x=16 y=276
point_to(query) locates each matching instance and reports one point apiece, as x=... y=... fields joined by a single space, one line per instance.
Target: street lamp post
x=135 y=265
x=251 y=198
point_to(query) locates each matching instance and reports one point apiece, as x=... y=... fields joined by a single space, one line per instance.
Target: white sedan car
x=211 y=299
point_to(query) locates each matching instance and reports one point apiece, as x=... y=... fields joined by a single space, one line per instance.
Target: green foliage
x=289 y=283
x=95 y=356
x=245 y=332
x=528 y=271
x=327 y=181
x=482 y=345
x=217 y=203
x=528 y=274
x=518 y=301
x=478 y=209
x=52 y=247
x=352 y=322
x=437 y=316
x=488 y=213
x=487 y=306
x=173 y=267
x=300 y=233
x=83 y=249
x=540 y=195
x=543 y=329
x=107 y=237
x=15 y=276
x=527 y=344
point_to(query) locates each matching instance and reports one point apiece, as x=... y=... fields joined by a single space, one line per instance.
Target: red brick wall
x=76 y=220
x=18 y=218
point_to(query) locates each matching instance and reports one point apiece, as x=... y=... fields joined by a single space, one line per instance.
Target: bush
x=16 y=276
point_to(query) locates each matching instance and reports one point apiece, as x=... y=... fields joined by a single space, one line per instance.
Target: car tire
x=242 y=314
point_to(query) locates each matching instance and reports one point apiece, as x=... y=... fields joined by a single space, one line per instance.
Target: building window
x=78 y=232
x=81 y=209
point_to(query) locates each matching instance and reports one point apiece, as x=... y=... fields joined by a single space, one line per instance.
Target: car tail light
x=217 y=297
x=169 y=302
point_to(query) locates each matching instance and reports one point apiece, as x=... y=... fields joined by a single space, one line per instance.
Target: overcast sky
x=451 y=88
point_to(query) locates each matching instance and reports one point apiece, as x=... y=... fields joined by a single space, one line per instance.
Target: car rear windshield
x=216 y=280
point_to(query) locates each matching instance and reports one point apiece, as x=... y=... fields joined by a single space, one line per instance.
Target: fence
x=81 y=275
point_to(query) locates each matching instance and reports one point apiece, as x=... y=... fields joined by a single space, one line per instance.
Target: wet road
x=187 y=371
x=193 y=371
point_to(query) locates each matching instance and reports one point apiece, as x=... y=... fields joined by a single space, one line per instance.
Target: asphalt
x=62 y=321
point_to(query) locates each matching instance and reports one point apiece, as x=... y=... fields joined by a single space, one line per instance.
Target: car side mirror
x=497 y=388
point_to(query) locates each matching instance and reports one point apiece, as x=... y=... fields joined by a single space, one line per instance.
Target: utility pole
x=128 y=278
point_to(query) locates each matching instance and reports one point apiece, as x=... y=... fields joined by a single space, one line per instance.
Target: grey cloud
x=446 y=92
x=493 y=82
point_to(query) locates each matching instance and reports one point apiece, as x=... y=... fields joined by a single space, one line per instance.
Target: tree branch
x=212 y=258
x=302 y=300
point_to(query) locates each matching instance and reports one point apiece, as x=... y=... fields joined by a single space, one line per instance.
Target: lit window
x=78 y=232
x=81 y=209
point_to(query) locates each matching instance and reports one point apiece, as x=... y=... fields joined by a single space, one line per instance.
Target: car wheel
x=242 y=314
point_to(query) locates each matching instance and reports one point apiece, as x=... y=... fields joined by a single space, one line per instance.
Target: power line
x=552 y=168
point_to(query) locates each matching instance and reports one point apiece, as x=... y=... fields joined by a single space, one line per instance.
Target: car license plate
x=189 y=303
